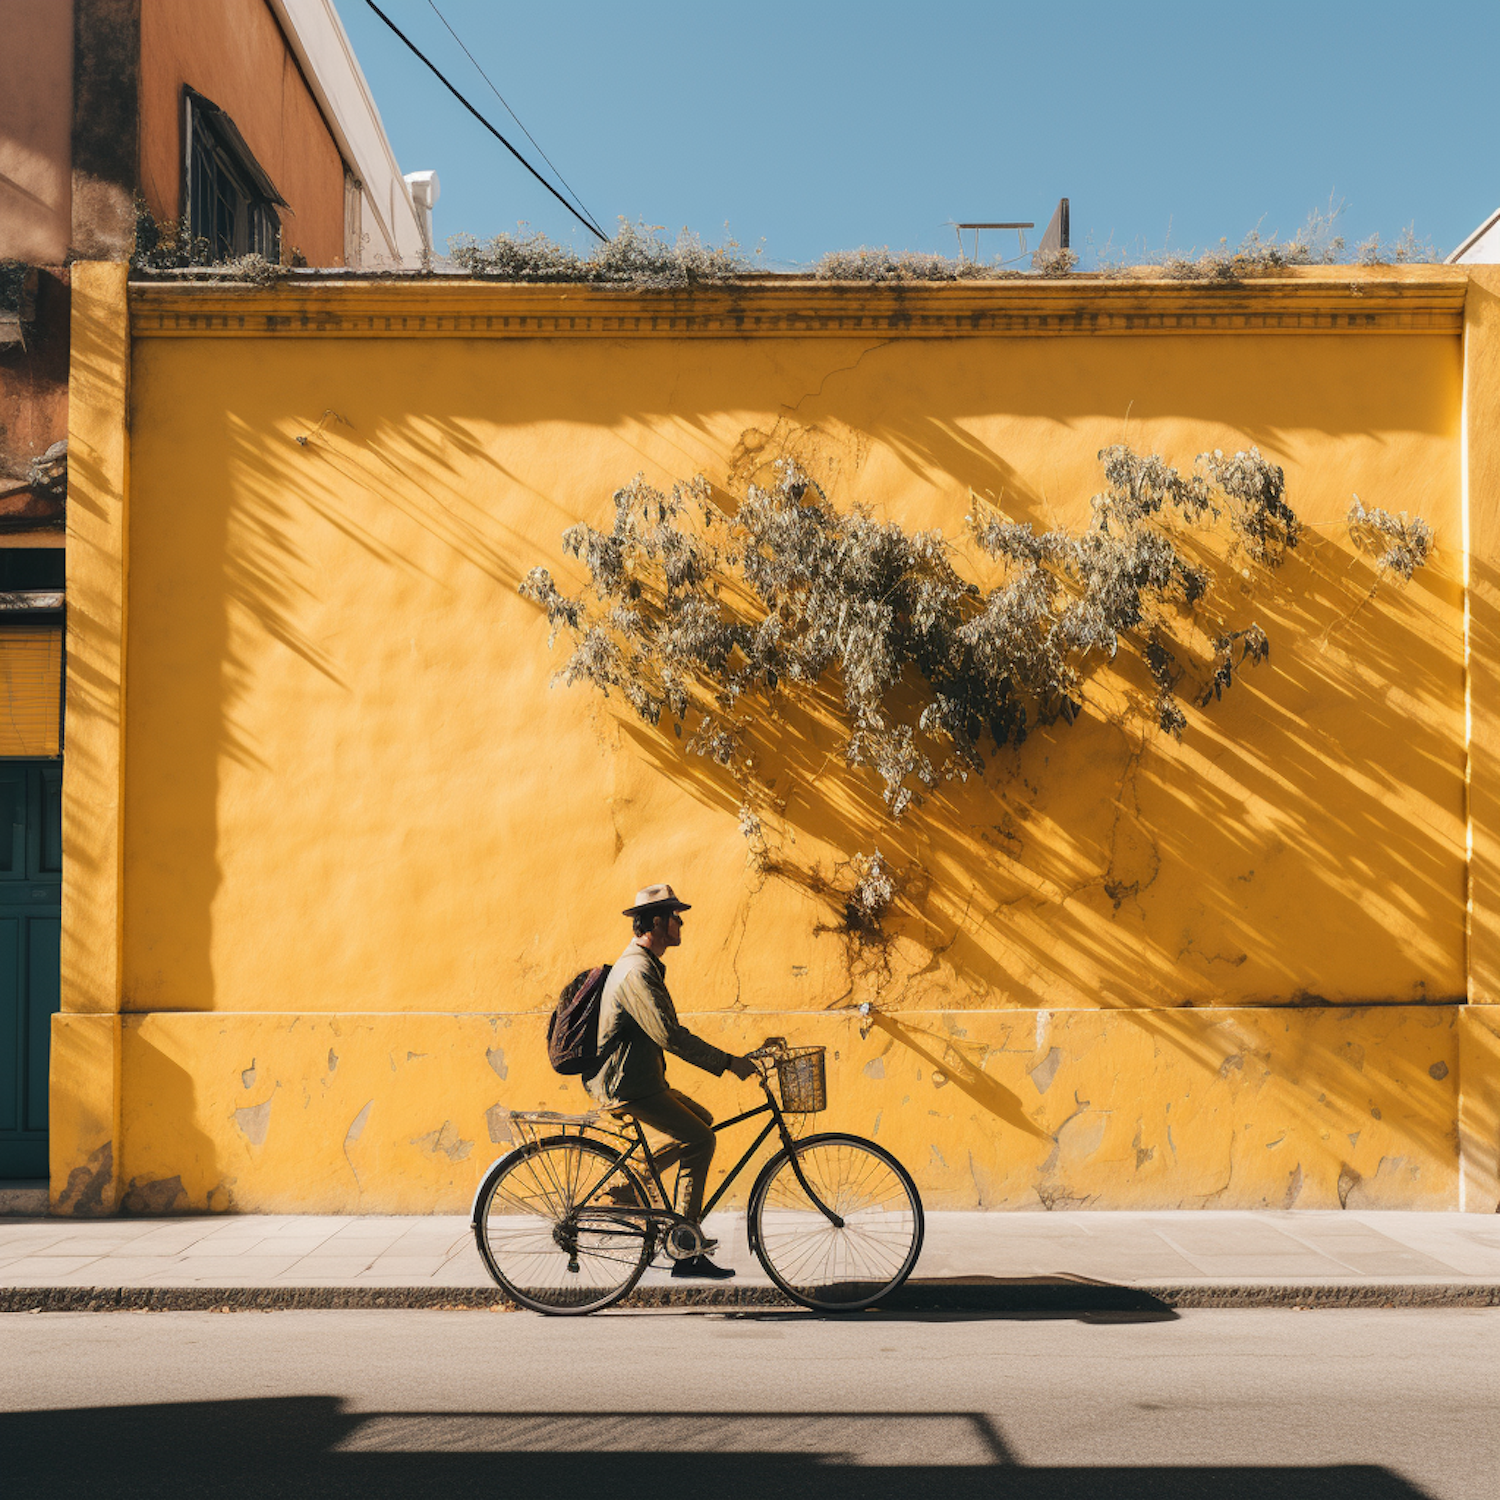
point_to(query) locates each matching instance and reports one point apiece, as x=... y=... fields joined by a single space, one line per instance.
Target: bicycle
x=565 y=1224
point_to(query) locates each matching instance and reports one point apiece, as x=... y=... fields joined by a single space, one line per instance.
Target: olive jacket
x=638 y=1026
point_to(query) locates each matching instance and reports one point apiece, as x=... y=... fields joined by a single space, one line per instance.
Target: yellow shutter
x=31 y=689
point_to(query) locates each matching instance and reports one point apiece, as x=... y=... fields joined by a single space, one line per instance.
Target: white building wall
x=1482 y=248
x=390 y=221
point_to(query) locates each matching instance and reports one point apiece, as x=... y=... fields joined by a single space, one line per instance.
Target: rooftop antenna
x=1018 y=227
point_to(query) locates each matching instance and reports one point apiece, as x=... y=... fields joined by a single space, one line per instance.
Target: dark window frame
x=229 y=201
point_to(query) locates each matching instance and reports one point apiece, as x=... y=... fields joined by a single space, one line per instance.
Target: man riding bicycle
x=638 y=1025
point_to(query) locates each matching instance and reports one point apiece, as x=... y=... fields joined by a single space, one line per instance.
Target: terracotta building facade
x=248 y=124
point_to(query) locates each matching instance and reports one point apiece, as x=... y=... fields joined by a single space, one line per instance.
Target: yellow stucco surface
x=365 y=840
x=1248 y=1108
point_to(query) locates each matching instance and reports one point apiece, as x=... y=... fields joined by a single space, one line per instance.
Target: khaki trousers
x=685 y=1123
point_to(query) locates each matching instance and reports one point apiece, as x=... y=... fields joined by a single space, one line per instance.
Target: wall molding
x=1425 y=299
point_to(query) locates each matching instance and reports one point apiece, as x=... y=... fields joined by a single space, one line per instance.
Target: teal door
x=30 y=929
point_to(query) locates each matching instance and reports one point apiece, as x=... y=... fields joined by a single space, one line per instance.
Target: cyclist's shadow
x=940 y=1300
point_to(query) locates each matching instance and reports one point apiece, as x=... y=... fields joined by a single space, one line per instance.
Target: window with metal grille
x=231 y=202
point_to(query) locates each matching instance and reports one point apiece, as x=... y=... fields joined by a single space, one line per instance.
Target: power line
x=514 y=116
x=437 y=73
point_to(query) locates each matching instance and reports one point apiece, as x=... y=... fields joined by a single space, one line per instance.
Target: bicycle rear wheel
x=546 y=1251
x=822 y=1265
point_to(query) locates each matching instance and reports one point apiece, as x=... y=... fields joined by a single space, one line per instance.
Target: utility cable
x=437 y=73
x=514 y=116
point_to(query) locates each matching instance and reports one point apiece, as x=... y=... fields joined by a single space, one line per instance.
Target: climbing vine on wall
x=710 y=611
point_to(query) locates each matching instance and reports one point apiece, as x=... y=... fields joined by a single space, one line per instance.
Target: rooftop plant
x=168 y=245
x=637 y=256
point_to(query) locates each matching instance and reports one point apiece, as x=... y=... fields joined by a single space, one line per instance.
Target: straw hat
x=654 y=898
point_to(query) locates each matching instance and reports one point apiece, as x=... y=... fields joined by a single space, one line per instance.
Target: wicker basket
x=802 y=1082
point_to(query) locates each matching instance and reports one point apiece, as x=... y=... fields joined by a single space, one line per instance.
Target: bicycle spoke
x=539 y=1247
x=853 y=1264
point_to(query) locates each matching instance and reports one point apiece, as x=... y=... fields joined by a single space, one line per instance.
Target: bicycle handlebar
x=765 y=1054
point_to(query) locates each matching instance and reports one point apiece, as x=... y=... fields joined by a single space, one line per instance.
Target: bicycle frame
x=651 y=1215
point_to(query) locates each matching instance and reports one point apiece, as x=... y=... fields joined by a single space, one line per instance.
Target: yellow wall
x=364 y=841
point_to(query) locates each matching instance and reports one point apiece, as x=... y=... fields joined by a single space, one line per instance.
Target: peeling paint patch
x=938 y=1078
x=495 y=1057
x=875 y=1129
x=937 y=1157
x=1234 y=1060
x=1046 y=1070
x=247 y=1077
x=1293 y=1187
x=497 y=1118
x=153 y=1197
x=333 y=1060
x=357 y=1125
x=83 y=1193
x=1439 y=1071
x=1349 y=1179
x=254 y=1121
x=445 y=1139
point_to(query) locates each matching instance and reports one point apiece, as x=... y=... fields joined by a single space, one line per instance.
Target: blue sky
x=821 y=125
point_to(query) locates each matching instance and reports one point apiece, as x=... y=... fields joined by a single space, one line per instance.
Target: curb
x=941 y=1297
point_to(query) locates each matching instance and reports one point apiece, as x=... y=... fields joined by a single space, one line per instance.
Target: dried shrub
x=167 y=245
x=1408 y=249
x=885 y=265
x=1400 y=544
x=636 y=257
x=707 y=616
x=1316 y=243
x=1054 y=262
x=1253 y=256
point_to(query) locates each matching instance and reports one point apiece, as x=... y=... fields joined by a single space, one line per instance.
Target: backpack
x=573 y=1029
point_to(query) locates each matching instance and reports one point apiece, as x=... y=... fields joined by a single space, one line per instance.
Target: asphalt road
x=1330 y=1404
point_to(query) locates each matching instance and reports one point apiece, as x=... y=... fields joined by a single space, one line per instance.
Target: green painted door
x=30 y=929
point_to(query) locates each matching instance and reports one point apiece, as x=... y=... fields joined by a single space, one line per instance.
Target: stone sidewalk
x=1184 y=1258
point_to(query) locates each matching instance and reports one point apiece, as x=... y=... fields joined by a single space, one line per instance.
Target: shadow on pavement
x=311 y=1446
x=1001 y=1295
x=964 y=1299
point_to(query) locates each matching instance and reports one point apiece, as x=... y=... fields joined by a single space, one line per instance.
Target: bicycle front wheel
x=823 y=1265
x=545 y=1232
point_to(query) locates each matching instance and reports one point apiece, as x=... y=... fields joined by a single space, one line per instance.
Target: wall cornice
x=1426 y=299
